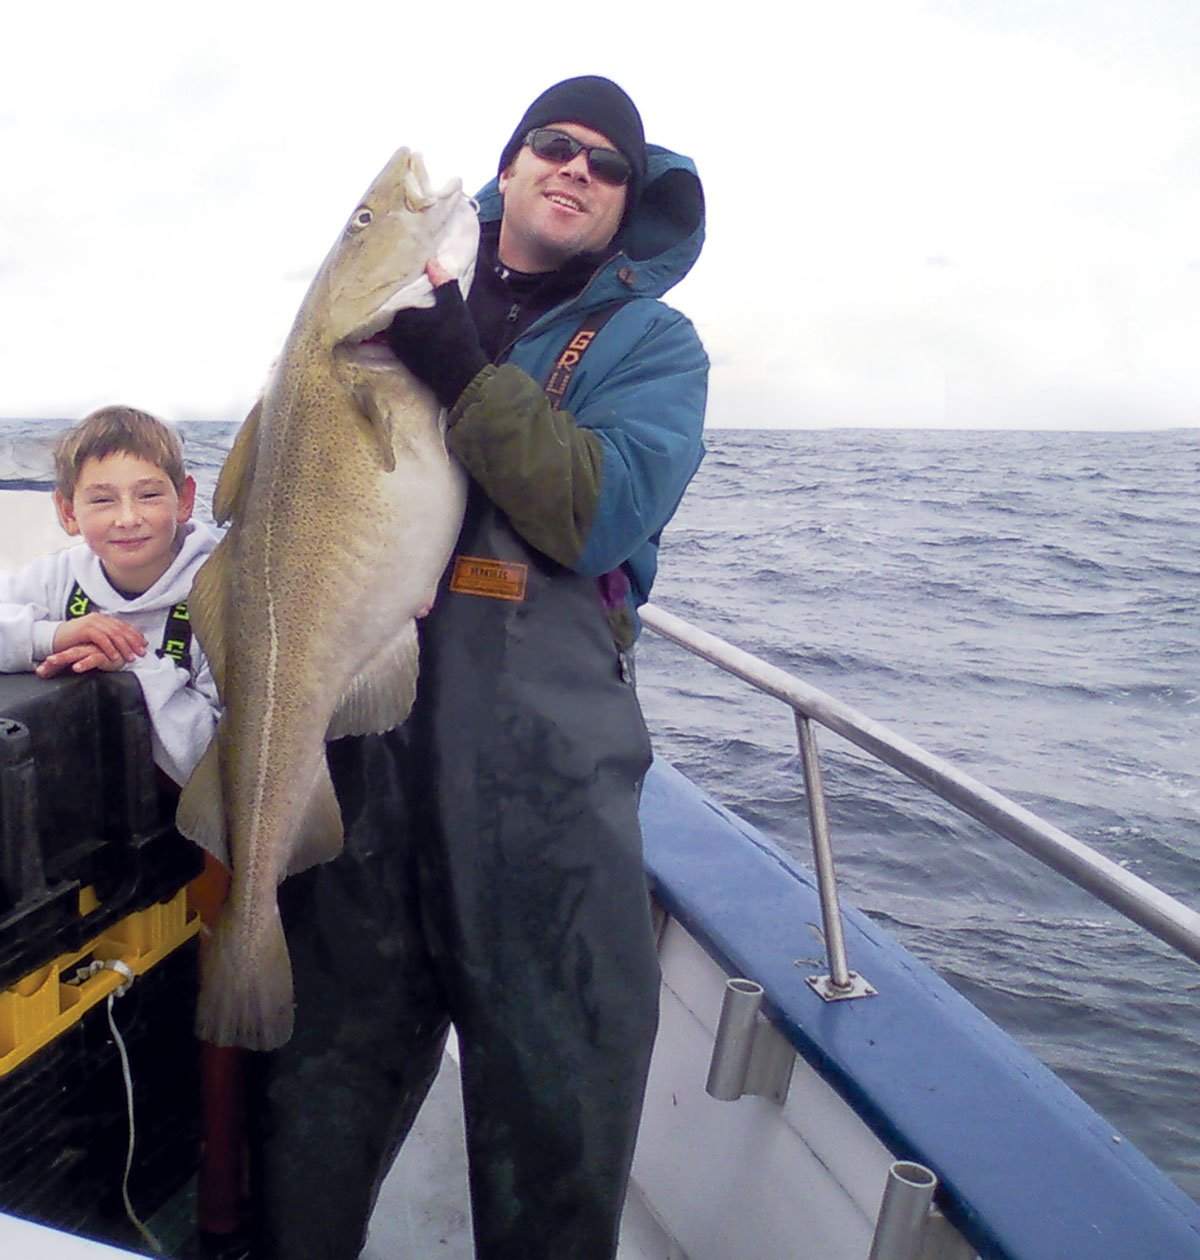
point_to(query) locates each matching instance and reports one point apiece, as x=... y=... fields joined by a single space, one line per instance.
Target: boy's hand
x=109 y=636
x=79 y=659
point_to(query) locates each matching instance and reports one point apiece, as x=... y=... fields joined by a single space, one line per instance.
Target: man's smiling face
x=555 y=210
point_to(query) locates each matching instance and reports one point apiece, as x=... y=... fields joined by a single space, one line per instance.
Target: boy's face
x=128 y=512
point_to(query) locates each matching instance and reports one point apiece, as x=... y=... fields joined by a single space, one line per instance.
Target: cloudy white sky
x=959 y=212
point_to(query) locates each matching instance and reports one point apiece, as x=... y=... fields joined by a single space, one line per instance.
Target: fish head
x=377 y=265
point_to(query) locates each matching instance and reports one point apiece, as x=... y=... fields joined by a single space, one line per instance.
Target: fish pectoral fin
x=380 y=698
x=208 y=606
x=320 y=835
x=378 y=417
x=237 y=472
x=201 y=812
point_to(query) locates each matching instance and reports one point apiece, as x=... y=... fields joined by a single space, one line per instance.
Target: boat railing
x=1138 y=900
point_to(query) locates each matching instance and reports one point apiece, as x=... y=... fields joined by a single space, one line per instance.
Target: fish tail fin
x=240 y=1005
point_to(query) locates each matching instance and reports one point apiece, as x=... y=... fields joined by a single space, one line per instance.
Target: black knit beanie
x=592 y=102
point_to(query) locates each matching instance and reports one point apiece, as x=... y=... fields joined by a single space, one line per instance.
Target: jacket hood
x=660 y=241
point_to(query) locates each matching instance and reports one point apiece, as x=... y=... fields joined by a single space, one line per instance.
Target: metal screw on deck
x=841 y=983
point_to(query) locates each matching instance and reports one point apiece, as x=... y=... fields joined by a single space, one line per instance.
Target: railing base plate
x=824 y=988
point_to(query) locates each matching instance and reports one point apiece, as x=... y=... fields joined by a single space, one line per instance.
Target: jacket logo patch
x=492 y=579
x=560 y=374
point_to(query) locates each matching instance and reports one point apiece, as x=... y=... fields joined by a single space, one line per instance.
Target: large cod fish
x=345 y=506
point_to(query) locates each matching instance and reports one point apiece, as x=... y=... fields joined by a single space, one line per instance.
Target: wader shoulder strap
x=79 y=603
x=566 y=363
x=177 y=636
x=177 y=633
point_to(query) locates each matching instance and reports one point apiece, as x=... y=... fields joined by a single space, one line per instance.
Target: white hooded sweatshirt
x=182 y=703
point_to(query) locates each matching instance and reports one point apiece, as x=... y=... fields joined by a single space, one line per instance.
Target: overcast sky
x=962 y=212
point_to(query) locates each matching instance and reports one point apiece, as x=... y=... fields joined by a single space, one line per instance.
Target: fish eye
x=361 y=218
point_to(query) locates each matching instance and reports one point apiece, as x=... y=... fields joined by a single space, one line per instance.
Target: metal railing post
x=841 y=982
x=831 y=911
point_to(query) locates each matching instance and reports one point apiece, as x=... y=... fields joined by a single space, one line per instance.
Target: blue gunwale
x=1028 y=1170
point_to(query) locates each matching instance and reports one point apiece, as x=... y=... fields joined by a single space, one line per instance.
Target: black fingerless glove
x=438 y=344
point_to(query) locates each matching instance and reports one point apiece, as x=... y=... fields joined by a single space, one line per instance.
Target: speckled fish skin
x=345 y=506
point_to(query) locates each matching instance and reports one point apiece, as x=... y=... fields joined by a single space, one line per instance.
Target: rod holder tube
x=734 y=1041
x=831 y=912
x=904 y=1212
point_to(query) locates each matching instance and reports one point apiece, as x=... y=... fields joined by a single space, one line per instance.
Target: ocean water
x=1026 y=605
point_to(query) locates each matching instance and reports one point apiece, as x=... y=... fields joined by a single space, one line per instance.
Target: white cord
x=124 y=970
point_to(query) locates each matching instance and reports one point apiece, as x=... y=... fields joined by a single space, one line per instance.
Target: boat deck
x=423 y=1208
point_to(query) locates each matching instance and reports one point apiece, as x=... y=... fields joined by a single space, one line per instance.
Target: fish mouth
x=368 y=343
x=419 y=193
x=456 y=250
x=372 y=350
x=414 y=291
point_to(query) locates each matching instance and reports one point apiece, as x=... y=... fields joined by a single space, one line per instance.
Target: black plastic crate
x=65 y=739
x=61 y=1195
x=63 y=1113
x=38 y=1079
x=155 y=1019
x=81 y=804
x=38 y=929
x=22 y=872
x=32 y=1103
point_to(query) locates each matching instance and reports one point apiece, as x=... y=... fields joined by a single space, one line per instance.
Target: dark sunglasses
x=607 y=165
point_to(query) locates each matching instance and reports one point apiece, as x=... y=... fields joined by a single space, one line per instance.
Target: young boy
x=119 y=602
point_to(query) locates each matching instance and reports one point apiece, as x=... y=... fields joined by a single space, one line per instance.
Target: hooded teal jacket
x=591 y=485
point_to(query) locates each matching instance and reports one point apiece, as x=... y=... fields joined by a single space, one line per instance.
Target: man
x=492 y=876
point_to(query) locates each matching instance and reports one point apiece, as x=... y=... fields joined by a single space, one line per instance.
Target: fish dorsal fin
x=237 y=472
x=201 y=812
x=382 y=695
x=320 y=835
x=208 y=607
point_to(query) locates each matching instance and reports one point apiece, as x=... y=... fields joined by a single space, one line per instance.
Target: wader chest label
x=493 y=579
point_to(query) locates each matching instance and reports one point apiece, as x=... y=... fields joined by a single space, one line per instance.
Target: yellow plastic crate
x=41 y=1006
